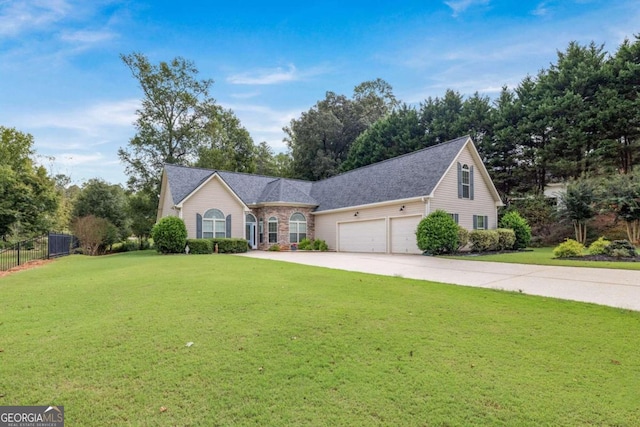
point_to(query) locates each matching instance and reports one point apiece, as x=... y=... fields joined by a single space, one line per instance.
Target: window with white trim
x=297 y=228
x=261 y=230
x=466 y=182
x=213 y=224
x=273 y=230
x=455 y=217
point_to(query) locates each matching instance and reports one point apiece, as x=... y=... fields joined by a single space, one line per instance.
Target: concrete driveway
x=615 y=288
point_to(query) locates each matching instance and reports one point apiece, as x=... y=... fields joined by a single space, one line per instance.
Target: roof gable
x=410 y=175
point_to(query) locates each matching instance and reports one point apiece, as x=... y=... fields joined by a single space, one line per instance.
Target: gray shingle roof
x=411 y=175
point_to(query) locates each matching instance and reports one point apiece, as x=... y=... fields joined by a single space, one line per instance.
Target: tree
x=28 y=199
x=103 y=200
x=226 y=144
x=170 y=121
x=620 y=194
x=441 y=118
x=94 y=233
x=578 y=206
x=398 y=133
x=142 y=209
x=321 y=138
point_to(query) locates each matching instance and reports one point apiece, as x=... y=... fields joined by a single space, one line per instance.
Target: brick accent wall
x=283 y=213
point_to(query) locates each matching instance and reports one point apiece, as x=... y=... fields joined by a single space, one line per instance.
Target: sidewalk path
x=615 y=288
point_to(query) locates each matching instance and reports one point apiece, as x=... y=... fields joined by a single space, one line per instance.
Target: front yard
x=284 y=344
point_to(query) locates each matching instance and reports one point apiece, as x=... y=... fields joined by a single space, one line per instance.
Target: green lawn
x=544 y=256
x=281 y=344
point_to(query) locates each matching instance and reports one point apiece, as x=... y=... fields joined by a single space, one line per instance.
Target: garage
x=403 y=235
x=363 y=236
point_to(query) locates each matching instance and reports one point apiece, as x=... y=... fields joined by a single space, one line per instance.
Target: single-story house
x=375 y=208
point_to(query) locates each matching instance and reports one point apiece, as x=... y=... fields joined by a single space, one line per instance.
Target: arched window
x=466 y=182
x=213 y=224
x=297 y=228
x=273 y=230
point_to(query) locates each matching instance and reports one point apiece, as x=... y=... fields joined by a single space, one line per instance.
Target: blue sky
x=62 y=80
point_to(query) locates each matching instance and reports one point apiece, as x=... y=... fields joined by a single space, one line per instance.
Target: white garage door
x=403 y=235
x=363 y=236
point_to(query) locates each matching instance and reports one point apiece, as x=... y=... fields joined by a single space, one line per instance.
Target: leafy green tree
x=28 y=199
x=170 y=121
x=142 y=209
x=398 y=133
x=321 y=138
x=103 y=200
x=226 y=144
x=620 y=194
x=578 y=206
x=441 y=118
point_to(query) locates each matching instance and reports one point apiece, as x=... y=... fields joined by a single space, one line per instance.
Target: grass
x=282 y=344
x=544 y=256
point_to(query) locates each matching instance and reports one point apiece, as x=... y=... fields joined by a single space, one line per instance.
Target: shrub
x=520 y=227
x=320 y=245
x=506 y=238
x=200 y=246
x=230 y=245
x=483 y=240
x=437 y=233
x=463 y=237
x=598 y=247
x=274 y=248
x=305 y=245
x=92 y=232
x=570 y=248
x=620 y=249
x=169 y=235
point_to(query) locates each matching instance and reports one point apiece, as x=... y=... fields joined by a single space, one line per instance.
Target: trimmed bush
x=200 y=246
x=274 y=248
x=506 y=238
x=463 y=237
x=620 y=249
x=437 y=233
x=305 y=245
x=570 y=248
x=599 y=246
x=169 y=235
x=520 y=227
x=230 y=245
x=320 y=245
x=484 y=240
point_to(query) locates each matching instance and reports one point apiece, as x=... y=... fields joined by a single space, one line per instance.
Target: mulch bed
x=29 y=265
x=605 y=258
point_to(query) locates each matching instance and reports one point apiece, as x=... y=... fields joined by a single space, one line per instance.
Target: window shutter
x=456 y=218
x=475 y=222
x=471 y=183
x=459 y=181
x=486 y=222
x=198 y=226
x=228 y=226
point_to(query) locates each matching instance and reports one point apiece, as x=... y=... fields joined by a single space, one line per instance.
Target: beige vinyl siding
x=483 y=203
x=326 y=225
x=214 y=194
x=166 y=204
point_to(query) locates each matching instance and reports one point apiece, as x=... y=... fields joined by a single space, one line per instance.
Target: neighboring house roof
x=408 y=176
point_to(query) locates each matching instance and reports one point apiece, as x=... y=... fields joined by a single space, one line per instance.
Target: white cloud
x=459 y=6
x=87 y=37
x=265 y=77
x=20 y=16
x=541 y=10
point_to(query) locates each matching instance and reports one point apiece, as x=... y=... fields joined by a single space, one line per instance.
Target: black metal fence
x=50 y=245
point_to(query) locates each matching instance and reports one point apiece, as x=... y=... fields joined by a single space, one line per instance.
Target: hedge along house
x=375 y=208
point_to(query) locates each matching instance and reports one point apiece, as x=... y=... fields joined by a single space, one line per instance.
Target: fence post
x=18 y=253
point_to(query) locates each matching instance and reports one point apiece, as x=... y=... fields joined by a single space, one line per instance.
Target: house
x=375 y=208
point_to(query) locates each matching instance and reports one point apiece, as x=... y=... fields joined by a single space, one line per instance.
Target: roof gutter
x=373 y=205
